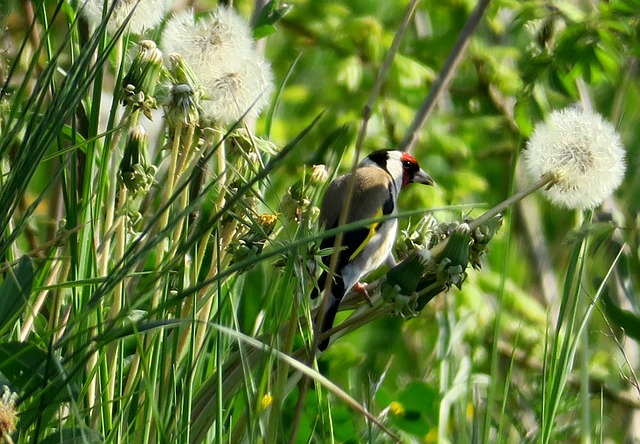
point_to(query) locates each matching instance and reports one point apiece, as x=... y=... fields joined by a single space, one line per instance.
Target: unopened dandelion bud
x=135 y=148
x=319 y=175
x=406 y=274
x=135 y=172
x=581 y=153
x=289 y=206
x=140 y=82
x=145 y=69
x=181 y=71
x=181 y=107
x=455 y=247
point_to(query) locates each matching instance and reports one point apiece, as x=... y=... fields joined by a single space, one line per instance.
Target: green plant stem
x=166 y=198
x=154 y=344
x=12 y=250
x=128 y=120
x=282 y=375
x=109 y=397
x=182 y=171
x=184 y=166
x=560 y=357
x=546 y=180
x=53 y=277
x=110 y=160
x=218 y=343
x=204 y=313
x=585 y=408
x=495 y=384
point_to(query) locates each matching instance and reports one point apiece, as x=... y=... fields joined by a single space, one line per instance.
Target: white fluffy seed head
x=147 y=14
x=246 y=87
x=212 y=43
x=584 y=154
x=220 y=50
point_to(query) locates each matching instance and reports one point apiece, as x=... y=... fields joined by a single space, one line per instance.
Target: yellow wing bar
x=372 y=230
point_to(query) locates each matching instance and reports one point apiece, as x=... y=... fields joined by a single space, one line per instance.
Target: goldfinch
x=377 y=181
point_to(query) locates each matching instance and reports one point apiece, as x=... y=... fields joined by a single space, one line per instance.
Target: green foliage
x=156 y=289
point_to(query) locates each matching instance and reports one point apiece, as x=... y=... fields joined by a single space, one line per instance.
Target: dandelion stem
x=116 y=306
x=37 y=305
x=181 y=171
x=164 y=217
x=547 y=179
x=205 y=312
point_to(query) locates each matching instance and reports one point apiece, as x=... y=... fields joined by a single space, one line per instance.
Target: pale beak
x=421 y=177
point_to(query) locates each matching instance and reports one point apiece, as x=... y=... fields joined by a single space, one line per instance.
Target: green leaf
x=15 y=290
x=349 y=73
x=343 y=426
x=21 y=361
x=31 y=370
x=269 y=15
x=419 y=414
x=527 y=113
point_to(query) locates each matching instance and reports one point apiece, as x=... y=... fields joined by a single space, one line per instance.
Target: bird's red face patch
x=409 y=168
x=406 y=157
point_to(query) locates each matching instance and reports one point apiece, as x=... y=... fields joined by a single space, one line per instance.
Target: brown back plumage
x=370 y=192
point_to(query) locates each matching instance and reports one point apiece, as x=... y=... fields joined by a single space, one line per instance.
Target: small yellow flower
x=396 y=408
x=431 y=437
x=267 y=221
x=266 y=401
x=470 y=411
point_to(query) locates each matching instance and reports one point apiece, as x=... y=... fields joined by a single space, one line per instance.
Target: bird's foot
x=362 y=289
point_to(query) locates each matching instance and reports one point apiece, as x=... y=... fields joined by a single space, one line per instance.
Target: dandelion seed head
x=232 y=93
x=582 y=151
x=220 y=51
x=147 y=14
x=210 y=44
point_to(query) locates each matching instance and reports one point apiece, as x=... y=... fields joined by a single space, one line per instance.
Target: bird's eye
x=407 y=164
